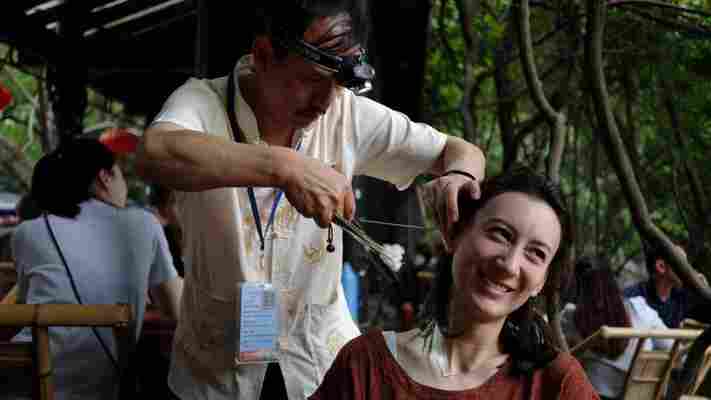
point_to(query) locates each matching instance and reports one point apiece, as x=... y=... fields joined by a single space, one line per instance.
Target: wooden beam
x=18 y=31
x=160 y=20
x=44 y=17
x=125 y=10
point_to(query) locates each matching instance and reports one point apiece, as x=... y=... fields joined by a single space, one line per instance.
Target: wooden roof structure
x=139 y=51
x=135 y=51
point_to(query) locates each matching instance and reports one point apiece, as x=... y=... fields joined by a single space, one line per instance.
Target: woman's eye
x=537 y=255
x=500 y=234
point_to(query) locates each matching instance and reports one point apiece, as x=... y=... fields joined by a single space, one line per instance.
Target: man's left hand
x=442 y=195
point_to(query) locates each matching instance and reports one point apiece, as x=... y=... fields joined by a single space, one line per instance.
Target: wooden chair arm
x=64 y=315
x=610 y=332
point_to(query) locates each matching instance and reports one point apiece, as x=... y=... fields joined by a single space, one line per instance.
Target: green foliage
x=20 y=121
x=644 y=47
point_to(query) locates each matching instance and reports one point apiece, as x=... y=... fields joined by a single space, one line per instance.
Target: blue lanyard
x=255 y=209
x=238 y=136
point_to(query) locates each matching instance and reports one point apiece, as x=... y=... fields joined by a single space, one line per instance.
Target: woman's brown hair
x=600 y=303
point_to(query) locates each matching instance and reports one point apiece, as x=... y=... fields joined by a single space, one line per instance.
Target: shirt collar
x=246 y=119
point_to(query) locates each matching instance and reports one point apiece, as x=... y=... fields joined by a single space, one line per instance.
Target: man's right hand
x=316 y=190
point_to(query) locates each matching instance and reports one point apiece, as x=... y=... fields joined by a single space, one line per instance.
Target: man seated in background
x=665 y=292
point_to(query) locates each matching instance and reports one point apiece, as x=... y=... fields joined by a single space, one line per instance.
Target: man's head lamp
x=352 y=72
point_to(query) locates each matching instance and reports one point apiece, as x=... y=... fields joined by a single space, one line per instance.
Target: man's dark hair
x=289 y=19
x=653 y=253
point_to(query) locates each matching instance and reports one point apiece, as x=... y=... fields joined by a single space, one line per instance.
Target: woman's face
x=502 y=257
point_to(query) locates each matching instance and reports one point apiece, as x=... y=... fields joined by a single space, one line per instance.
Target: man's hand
x=442 y=194
x=316 y=190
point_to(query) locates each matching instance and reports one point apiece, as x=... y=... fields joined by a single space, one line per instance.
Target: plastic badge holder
x=258 y=323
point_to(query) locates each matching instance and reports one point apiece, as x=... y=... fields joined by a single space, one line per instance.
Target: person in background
x=25 y=209
x=263 y=161
x=88 y=248
x=164 y=207
x=481 y=336
x=600 y=302
x=665 y=292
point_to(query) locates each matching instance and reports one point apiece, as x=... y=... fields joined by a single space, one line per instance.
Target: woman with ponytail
x=481 y=336
x=88 y=248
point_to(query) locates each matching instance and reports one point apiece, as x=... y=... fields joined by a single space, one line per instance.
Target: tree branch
x=660 y=4
x=467 y=10
x=597 y=10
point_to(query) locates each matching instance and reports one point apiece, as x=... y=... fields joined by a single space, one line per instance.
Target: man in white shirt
x=287 y=121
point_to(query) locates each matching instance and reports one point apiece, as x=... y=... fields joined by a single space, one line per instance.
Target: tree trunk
x=618 y=156
x=698 y=229
x=468 y=10
x=506 y=106
x=557 y=122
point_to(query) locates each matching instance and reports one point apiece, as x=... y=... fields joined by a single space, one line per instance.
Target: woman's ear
x=104 y=177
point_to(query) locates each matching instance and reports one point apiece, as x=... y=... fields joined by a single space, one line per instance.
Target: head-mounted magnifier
x=352 y=72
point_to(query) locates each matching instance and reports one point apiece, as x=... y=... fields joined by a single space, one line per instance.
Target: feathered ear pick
x=385 y=256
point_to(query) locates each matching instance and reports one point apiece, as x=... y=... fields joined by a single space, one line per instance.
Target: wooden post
x=43 y=387
x=67 y=72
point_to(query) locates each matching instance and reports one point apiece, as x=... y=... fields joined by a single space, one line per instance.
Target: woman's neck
x=474 y=345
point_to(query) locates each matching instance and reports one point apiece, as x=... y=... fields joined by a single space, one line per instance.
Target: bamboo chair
x=650 y=370
x=705 y=366
x=35 y=356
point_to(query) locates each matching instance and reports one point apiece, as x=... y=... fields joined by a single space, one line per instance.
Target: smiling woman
x=480 y=335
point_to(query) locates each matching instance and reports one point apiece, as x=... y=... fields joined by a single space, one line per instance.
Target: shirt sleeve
x=650 y=319
x=389 y=146
x=191 y=106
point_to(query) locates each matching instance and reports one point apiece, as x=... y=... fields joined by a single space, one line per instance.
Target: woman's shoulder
x=563 y=367
x=567 y=378
x=367 y=343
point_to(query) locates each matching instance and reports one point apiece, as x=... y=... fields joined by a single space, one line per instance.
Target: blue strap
x=238 y=137
x=272 y=213
x=255 y=213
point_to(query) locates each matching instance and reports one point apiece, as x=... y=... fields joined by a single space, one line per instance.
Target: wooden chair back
x=705 y=364
x=649 y=372
x=36 y=355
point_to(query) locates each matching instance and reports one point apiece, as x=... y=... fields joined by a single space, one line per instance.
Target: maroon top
x=365 y=369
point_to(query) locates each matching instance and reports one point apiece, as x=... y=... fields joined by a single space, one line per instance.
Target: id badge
x=258 y=323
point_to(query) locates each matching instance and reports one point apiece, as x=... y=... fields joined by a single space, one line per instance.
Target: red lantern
x=5 y=97
x=119 y=140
